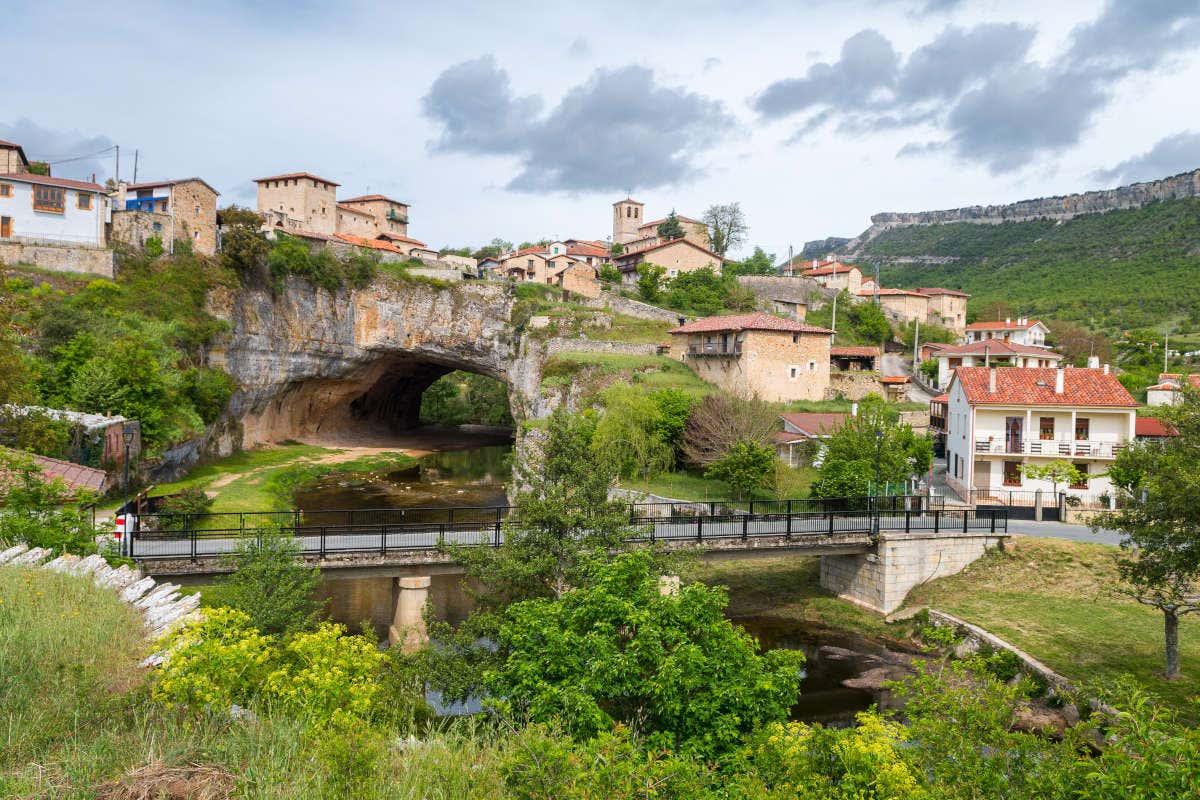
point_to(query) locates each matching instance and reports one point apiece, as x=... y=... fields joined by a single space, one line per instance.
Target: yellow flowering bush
x=322 y=677
x=214 y=662
x=795 y=760
x=326 y=674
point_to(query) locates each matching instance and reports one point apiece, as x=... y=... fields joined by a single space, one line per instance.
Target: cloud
x=1170 y=156
x=72 y=154
x=710 y=63
x=579 y=48
x=619 y=129
x=978 y=87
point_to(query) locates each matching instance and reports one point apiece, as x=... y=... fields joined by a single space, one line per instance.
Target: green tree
x=649 y=282
x=271 y=584
x=631 y=434
x=1159 y=519
x=493 y=249
x=873 y=437
x=1055 y=472
x=746 y=467
x=615 y=649
x=41 y=512
x=759 y=263
x=670 y=228
x=616 y=249
x=608 y=274
x=726 y=227
x=868 y=321
x=128 y=377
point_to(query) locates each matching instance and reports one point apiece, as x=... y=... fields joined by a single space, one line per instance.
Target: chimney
x=1106 y=369
x=854 y=409
x=1094 y=362
x=991 y=380
x=1058 y=380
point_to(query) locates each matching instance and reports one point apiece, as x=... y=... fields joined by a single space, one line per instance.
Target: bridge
x=872 y=550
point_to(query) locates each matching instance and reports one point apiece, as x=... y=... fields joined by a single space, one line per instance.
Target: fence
x=455 y=529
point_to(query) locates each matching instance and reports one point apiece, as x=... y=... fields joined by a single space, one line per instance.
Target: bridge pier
x=407 y=630
x=882 y=579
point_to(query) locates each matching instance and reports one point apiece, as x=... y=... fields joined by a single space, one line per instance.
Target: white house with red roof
x=41 y=209
x=1169 y=389
x=799 y=429
x=991 y=353
x=1021 y=330
x=999 y=420
x=757 y=355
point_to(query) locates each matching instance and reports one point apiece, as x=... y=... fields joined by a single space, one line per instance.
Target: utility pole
x=876 y=283
x=117 y=177
x=135 y=164
x=916 y=344
x=833 y=322
x=1166 y=352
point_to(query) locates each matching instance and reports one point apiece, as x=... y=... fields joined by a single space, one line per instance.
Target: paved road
x=1059 y=530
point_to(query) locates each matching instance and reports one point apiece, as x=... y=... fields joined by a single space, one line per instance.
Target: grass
x=632 y=330
x=833 y=406
x=788 y=588
x=263 y=479
x=77 y=720
x=691 y=486
x=599 y=370
x=1055 y=600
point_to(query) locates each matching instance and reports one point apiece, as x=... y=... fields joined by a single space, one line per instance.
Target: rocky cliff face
x=310 y=362
x=1186 y=184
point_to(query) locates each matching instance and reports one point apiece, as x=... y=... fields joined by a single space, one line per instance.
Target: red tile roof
x=291 y=175
x=1177 y=379
x=75 y=476
x=352 y=210
x=891 y=292
x=587 y=250
x=815 y=424
x=395 y=237
x=894 y=379
x=628 y=257
x=366 y=198
x=996 y=347
x=1003 y=326
x=859 y=352
x=931 y=290
x=374 y=244
x=833 y=267
x=658 y=222
x=45 y=180
x=941 y=398
x=1035 y=387
x=1150 y=426
x=748 y=322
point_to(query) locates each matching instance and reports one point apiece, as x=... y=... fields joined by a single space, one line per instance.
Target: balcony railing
x=715 y=349
x=1055 y=448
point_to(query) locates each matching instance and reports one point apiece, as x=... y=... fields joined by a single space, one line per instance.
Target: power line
x=68 y=159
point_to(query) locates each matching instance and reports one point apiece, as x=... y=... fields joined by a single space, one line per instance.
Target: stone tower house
x=627 y=217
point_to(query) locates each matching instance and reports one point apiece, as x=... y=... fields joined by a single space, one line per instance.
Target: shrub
x=208 y=390
x=272 y=585
x=154 y=247
x=39 y=512
x=746 y=467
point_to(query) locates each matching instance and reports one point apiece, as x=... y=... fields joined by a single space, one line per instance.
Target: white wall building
x=1030 y=332
x=37 y=208
x=992 y=353
x=999 y=420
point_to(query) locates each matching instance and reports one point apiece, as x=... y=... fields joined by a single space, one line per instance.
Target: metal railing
x=1050 y=447
x=381 y=538
x=715 y=349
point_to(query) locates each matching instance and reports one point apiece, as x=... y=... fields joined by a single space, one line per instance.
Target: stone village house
x=776 y=359
x=676 y=257
x=183 y=209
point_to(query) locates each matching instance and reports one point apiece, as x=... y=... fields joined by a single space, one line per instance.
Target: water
x=832 y=657
x=471 y=477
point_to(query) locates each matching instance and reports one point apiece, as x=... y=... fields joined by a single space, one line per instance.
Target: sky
x=524 y=120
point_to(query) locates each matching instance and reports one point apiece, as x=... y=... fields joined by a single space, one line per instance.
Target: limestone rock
x=12 y=552
x=1030 y=718
x=35 y=556
x=136 y=589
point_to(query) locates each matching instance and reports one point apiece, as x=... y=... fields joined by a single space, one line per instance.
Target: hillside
x=1111 y=271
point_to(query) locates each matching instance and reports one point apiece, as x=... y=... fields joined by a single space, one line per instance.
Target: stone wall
x=195 y=208
x=853 y=385
x=797 y=289
x=135 y=227
x=60 y=258
x=881 y=580
x=561 y=345
x=630 y=308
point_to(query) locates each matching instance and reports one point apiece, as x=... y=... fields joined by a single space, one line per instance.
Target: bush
x=40 y=513
x=208 y=390
x=272 y=585
x=154 y=247
x=746 y=467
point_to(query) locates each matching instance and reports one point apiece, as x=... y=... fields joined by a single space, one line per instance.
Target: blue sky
x=524 y=120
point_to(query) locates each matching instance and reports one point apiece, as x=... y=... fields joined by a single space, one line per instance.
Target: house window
x=795 y=338
x=793 y=372
x=1046 y=428
x=162 y=206
x=5 y=190
x=1082 y=427
x=197 y=208
x=812 y=366
x=1012 y=473
x=48 y=198
x=83 y=201
x=158 y=226
x=1083 y=472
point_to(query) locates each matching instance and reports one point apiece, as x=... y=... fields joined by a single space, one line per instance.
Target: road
x=1059 y=530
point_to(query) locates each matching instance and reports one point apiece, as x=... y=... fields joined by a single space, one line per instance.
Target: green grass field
x=1056 y=600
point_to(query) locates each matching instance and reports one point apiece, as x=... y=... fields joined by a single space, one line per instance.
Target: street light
x=875 y=494
x=127 y=545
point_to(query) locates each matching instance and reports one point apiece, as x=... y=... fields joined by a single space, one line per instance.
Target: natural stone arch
x=309 y=361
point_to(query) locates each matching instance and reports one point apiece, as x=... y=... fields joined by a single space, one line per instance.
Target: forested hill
x=1113 y=271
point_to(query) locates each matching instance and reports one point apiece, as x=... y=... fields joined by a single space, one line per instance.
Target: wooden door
x=5 y=227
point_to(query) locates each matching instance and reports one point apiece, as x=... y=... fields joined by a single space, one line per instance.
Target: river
x=477 y=476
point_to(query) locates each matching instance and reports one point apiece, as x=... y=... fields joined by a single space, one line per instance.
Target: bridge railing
x=332 y=540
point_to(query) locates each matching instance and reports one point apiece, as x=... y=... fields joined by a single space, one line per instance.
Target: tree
x=1159 y=518
x=616 y=249
x=608 y=274
x=649 y=282
x=726 y=227
x=721 y=421
x=271 y=584
x=493 y=249
x=848 y=467
x=617 y=650
x=670 y=228
x=746 y=467
x=759 y=263
x=1055 y=472
x=630 y=434
x=41 y=512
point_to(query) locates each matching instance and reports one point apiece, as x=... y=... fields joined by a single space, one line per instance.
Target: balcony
x=1050 y=448
x=396 y=216
x=715 y=349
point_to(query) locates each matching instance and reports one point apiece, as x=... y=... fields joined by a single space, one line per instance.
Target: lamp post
x=126 y=544
x=875 y=494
